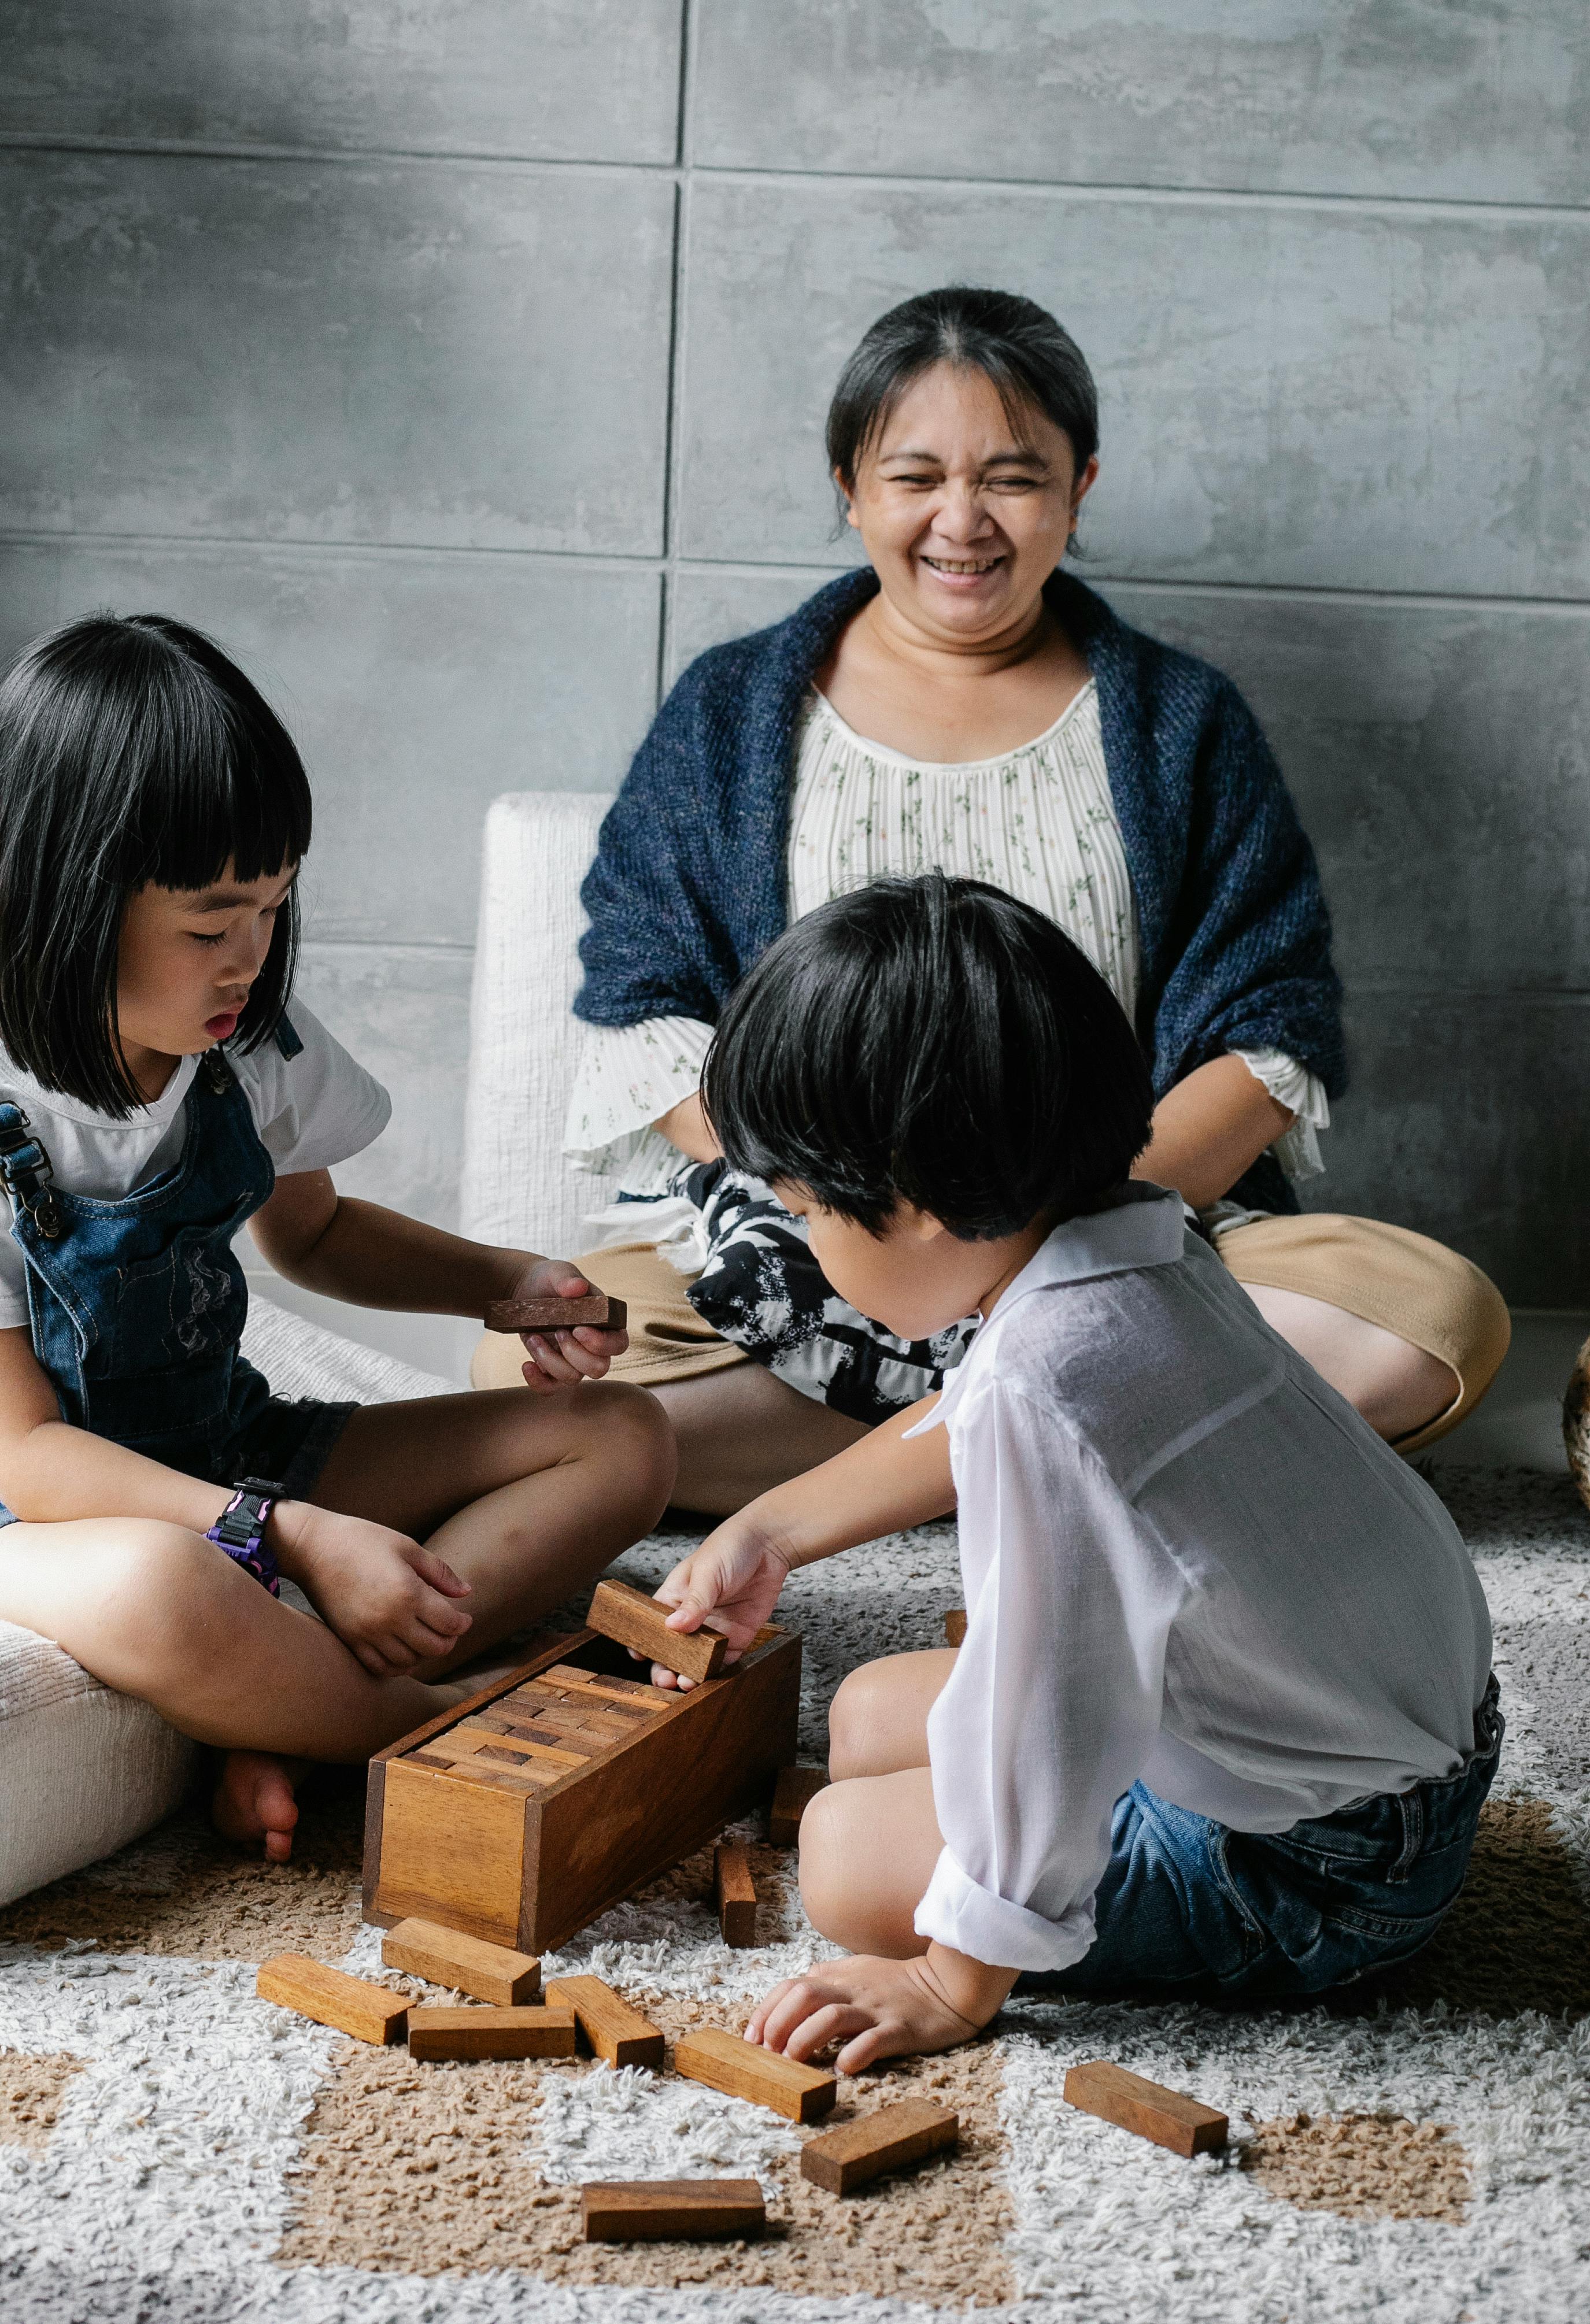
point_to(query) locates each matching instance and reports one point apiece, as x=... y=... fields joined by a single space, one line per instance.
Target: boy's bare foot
x=254 y=1800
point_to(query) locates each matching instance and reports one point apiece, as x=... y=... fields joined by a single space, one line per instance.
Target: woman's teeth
x=962 y=565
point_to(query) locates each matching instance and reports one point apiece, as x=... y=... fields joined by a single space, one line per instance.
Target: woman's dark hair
x=935 y=1040
x=132 y=752
x=1030 y=360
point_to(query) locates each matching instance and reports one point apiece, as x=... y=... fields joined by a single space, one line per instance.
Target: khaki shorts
x=1389 y=1276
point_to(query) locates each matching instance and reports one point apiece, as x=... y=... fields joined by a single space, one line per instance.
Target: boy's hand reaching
x=730 y=1584
x=563 y=1358
x=391 y=1603
x=878 y=2009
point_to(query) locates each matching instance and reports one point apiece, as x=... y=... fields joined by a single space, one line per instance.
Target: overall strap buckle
x=26 y=1173
x=217 y=1074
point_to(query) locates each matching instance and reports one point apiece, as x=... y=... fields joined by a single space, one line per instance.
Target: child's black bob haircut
x=935 y=1041
x=132 y=752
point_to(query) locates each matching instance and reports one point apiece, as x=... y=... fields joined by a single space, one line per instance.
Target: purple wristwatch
x=240 y=1530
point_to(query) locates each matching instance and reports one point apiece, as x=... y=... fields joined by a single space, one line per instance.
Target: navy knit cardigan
x=689 y=882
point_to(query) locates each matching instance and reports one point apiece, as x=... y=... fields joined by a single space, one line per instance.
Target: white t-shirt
x=311 y=1111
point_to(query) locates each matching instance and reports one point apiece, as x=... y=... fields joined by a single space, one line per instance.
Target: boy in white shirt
x=1223 y=1721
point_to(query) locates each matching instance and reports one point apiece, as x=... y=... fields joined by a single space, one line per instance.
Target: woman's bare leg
x=741 y=1431
x=869 y=1843
x=1398 y=1387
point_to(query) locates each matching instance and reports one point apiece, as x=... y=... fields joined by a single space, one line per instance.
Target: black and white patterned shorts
x=762 y=1289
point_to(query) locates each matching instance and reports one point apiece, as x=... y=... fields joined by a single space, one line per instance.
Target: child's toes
x=253 y=1802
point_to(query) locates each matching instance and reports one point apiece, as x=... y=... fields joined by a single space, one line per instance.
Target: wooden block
x=332 y=1997
x=436 y=2032
x=896 y=2135
x=632 y=1617
x=747 y=2071
x=955 y=1627
x=556 y=1315
x=1167 y=2116
x=793 y=1793
x=737 y=1894
x=651 y=2210
x=493 y=1973
x=639 y=1694
x=614 y=2032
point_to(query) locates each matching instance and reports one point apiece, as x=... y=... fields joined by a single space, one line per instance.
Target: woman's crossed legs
x=526 y=1498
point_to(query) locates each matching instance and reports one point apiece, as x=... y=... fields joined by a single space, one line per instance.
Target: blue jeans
x=1189 y=1910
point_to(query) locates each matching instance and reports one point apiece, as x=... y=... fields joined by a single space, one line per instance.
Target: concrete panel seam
x=183 y=149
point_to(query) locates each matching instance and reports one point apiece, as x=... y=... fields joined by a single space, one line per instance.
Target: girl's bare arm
x=49 y=1470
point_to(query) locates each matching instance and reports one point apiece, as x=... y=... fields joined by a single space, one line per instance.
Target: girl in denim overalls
x=155 y=1094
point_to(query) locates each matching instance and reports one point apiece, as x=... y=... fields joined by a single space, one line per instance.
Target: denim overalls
x=137 y=1306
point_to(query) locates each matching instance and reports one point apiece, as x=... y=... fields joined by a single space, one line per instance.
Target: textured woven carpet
x=171 y=2148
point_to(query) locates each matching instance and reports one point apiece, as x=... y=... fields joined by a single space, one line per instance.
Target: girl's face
x=915 y=1277
x=963 y=515
x=187 y=960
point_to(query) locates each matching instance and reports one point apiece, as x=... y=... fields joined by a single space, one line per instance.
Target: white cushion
x=516 y=1187
x=84 y=1770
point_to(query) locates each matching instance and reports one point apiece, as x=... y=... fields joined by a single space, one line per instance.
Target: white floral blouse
x=1038 y=822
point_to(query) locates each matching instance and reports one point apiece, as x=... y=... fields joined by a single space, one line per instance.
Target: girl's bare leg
x=527 y=1497
x=869 y=1843
x=157 y=1611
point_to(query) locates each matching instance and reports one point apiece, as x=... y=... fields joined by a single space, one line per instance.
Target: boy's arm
x=888 y=1481
x=376 y=1258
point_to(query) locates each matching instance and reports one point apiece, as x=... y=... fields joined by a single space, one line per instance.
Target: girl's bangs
x=216 y=791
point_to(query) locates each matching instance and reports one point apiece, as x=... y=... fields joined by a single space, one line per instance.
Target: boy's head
x=923 y=1067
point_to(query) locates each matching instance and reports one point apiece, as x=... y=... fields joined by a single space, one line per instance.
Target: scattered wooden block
x=617 y=2034
x=556 y=1315
x=888 y=2140
x=436 y=2033
x=737 y=1894
x=332 y=1997
x=649 y=2210
x=793 y=1793
x=493 y=1973
x=1167 y=2116
x=955 y=1627
x=632 y=1617
x=747 y=2071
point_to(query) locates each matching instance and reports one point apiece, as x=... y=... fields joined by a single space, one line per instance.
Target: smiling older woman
x=964 y=703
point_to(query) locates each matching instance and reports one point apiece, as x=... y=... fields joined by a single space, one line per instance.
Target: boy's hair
x=930 y=1040
x=132 y=752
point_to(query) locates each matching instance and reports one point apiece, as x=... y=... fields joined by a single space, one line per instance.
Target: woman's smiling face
x=963 y=513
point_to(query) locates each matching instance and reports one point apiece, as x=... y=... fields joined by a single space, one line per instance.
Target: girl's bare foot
x=254 y=1800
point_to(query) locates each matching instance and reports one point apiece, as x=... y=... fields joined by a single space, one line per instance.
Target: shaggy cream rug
x=171 y=2148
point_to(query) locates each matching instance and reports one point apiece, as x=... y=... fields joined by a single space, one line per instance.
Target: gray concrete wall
x=463 y=366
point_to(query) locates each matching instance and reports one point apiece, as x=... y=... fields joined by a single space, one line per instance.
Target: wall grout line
x=675 y=566
x=684 y=211
x=902 y=182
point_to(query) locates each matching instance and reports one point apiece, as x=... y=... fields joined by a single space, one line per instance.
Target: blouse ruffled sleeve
x=627 y=1076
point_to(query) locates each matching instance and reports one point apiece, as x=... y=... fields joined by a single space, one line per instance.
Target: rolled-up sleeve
x=1054 y=1704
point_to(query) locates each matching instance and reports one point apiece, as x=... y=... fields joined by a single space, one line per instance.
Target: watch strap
x=240 y=1530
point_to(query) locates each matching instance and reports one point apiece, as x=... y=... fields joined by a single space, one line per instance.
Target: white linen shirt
x=1186 y=1561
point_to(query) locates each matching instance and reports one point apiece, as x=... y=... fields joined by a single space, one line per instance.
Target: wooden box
x=524 y=1813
